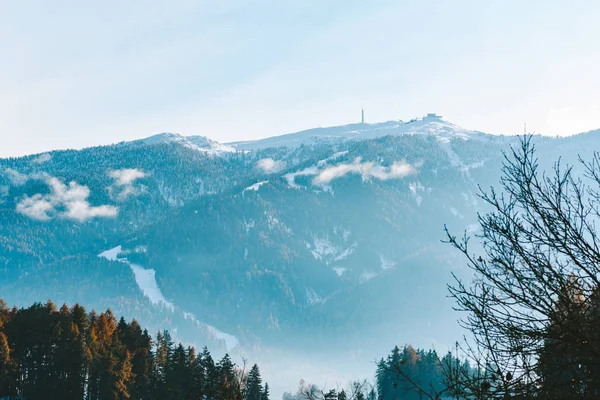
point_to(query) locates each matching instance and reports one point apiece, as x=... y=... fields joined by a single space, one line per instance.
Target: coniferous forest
x=67 y=353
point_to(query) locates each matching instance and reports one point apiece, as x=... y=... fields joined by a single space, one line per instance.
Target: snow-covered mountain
x=259 y=246
x=431 y=124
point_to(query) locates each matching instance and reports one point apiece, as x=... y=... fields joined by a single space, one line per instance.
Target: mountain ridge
x=431 y=124
x=313 y=249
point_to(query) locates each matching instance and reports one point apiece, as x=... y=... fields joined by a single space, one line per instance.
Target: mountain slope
x=316 y=245
x=428 y=125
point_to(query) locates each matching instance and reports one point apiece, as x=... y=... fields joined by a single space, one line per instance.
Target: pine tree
x=79 y=352
x=7 y=388
x=265 y=393
x=254 y=387
x=70 y=357
x=381 y=377
x=163 y=354
x=178 y=377
x=211 y=377
x=197 y=375
x=138 y=343
x=227 y=386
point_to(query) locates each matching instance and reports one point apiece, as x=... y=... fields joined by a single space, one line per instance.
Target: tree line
x=66 y=353
x=405 y=374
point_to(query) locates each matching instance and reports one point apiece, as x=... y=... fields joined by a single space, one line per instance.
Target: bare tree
x=532 y=304
x=532 y=307
x=358 y=390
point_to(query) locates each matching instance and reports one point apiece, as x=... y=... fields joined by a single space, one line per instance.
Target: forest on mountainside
x=67 y=353
x=259 y=265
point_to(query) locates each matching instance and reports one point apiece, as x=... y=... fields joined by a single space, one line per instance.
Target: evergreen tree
x=211 y=375
x=381 y=377
x=7 y=388
x=196 y=375
x=265 y=393
x=227 y=385
x=178 y=375
x=67 y=354
x=254 y=389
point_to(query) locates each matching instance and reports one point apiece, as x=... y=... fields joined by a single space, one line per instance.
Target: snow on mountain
x=111 y=254
x=254 y=187
x=431 y=124
x=145 y=278
x=146 y=281
x=198 y=143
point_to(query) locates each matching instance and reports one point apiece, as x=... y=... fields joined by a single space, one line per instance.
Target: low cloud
x=15 y=177
x=367 y=170
x=64 y=201
x=270 y=166
x=42 y=158
x=124 y=178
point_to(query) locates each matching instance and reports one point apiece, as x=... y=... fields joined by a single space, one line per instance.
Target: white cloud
x=126 y=176
x=36 y=207
x=124 y=179
x=270 y=166
x=367 y=170
x=15 y=177
x=42 y=158
x=64 y=201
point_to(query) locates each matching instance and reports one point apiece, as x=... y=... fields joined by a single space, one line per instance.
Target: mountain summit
x=431 y=124
x=199 y=143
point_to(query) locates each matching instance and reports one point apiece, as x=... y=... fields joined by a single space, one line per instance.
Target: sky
x=76 y=74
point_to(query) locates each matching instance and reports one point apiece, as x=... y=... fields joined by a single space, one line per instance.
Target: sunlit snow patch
x=254 y=187
x=323 y=248
x=145 y=278
x=312 y=297
x=367 y=276
x=111 y=254
x=385 y=263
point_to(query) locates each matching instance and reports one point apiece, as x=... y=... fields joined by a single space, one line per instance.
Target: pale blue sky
x=81 y=73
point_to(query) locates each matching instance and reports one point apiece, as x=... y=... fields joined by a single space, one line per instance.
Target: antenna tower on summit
x=362 y=115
